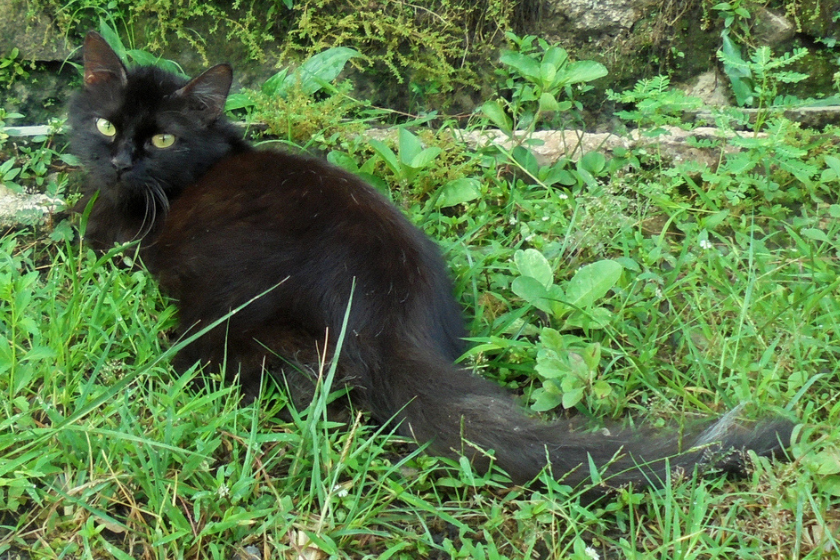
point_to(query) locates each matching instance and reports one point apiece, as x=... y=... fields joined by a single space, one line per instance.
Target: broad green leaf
x=716 y=219
x=547 y=73
x=387 y=155
x=593 y=162
x=497 y=116
x=409 y=145
x=550 y=366
x=526 y=158
x=588 y=319
x=425 y=157
x=592 y=282
x=343 y=160
x=532 y=291
x=458 y=191
x=556 y=173
x=833 y=171
x=573 y=397
x=531 y=262
x=826 y=462
x=552 y=339
x=556 y=57
x=525 y=65
x=275 y=85
x=321 y=69
x=112 y=38
x=578 y=369
x=545 y=400
x=737 y=70
x=582 y=71
x=238 y=101
x=148 y=59
x=70 y=159
x=548 y=104
x=601 y=389
x=815 y=234
x=831 y=486
x=592 y=356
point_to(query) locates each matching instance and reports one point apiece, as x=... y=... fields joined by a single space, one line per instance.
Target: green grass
x=728 y=294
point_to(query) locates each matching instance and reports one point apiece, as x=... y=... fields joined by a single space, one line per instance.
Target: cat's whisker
x=149 y=212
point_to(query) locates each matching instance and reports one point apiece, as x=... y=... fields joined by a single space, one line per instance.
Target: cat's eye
x=106 y=127
x=163 y=140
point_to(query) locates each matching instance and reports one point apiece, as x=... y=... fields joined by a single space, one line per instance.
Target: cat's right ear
x=207 y=93
x=102 y=65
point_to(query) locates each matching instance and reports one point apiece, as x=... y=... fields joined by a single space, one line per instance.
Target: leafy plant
x=656 y=104
x=136 y=56
x=543 y=82
x=13 y=68
x=159 y=21
x=431 y=49
x=303 y=105
x=736 y=16
x=756 y=81
x=412 y=158
x=566 y=365
x=4 y=132
x=316 y=73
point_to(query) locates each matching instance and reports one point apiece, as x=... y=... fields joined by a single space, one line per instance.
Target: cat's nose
x=121 y=161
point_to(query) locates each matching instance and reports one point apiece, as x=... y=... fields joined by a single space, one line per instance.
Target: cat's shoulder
x=270 y=178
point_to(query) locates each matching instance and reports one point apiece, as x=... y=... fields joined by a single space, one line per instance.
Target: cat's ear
x=102 y=65
x=207 y=92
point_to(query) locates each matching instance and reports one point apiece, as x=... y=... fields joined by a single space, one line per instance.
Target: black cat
x=222 y=223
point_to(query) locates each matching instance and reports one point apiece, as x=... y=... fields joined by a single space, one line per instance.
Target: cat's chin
x=124 y=193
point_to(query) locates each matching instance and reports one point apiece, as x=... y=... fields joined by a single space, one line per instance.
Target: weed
x=538 y=77
x=13 y=68
x=430 y=48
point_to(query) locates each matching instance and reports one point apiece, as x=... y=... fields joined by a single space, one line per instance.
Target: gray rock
x=711 y=87
x=816 y=18
x=248 y=553
x=772 y=28
x=597 y=15
x=26 y=209
x=35 y=37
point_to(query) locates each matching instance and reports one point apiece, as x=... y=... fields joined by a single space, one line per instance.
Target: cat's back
x=261 y=217
x=272 y=210
x=290 y=193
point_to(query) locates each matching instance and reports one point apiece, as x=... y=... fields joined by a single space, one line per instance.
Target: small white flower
x=340 y=491
x=563 y=196
x=592 y=553
x=706 y=244
x=512 y=221
x=223 y=491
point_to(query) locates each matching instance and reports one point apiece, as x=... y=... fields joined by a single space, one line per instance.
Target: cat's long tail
x=462 y=414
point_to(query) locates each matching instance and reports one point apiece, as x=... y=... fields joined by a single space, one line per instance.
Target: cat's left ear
x=207 y=92
x=102 y=64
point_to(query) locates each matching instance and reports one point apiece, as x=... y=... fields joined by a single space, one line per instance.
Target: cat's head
x=143 y=134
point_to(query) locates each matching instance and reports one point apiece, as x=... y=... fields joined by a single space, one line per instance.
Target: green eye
x=163 y=140
x=106 y=128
